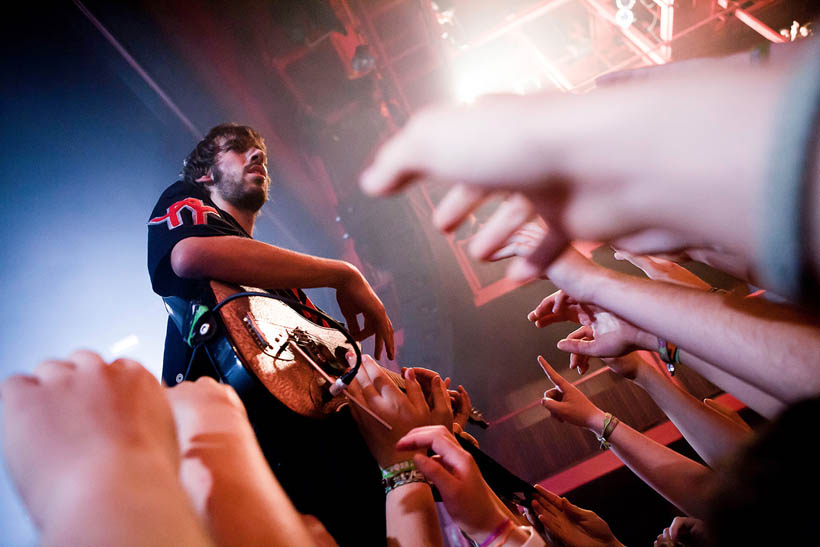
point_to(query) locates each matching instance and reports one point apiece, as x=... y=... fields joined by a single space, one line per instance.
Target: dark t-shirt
x=184 y=210
x=323 y=465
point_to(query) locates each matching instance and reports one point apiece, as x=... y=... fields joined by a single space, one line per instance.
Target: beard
x=243 y=195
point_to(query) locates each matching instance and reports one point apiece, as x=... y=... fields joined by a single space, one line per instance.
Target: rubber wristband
x=497 y=532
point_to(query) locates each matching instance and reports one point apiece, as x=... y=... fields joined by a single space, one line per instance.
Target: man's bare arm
x=249 y=262
x=241 y=260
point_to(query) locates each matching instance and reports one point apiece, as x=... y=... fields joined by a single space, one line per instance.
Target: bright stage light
x=495 y=70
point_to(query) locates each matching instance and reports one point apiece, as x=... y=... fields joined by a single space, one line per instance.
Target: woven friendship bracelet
x=610 y=422
x=405 y=477
x=396 y=468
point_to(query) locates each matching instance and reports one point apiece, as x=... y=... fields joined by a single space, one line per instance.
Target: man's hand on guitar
x=355 y=296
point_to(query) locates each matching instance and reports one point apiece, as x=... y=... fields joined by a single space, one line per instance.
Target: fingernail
x=351 y=358
x=578 y=369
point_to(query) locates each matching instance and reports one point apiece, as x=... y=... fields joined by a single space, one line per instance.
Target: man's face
x=240 y=175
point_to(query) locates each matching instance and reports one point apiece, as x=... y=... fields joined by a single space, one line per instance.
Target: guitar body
x=262 y=330
x=261 y=333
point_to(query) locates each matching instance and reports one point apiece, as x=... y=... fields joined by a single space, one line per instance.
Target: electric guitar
x=296 y=359
x=267 y=343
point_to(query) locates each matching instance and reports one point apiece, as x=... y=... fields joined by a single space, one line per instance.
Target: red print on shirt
x=173 y=217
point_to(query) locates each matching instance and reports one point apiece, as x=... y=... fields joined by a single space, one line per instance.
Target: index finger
x=385 y=335
x=459 y=202
x=551 y=246
x=503 y=224
x=435 y=437
x=552 y=498
x=552 y=375
x=439 y=396
x=545 y=307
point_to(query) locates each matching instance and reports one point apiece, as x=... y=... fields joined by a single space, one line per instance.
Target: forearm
x=770 y=346
x=712 y=436
x=125 y=502
x=411 y=516
x=759 y=401
x=675 y=477
x=250 y=262
x=239 y=498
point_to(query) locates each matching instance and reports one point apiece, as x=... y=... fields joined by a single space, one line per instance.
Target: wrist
x=595 y=421
x=389 y=459
x=344 y=274
x=491 y=530
x=646 y=341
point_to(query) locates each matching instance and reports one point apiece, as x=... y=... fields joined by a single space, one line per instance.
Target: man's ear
x=207 y=179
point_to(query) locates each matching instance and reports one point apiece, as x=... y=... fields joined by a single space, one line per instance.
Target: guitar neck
x=396 y=377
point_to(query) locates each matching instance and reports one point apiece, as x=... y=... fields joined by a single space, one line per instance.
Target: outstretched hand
x=683 y=531
x=74 y=417
x=224 y=471
x=602 y=333
x=92 y=450
x=468 y=498
x=570 y=524
x=583 y=181
x=355 y=297
x=566 y=403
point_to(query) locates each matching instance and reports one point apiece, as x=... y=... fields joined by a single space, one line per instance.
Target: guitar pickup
x=280 y=336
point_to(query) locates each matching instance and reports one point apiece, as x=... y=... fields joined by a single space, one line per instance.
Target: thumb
x=573 y=511
x=552 y=407
x=591 y=348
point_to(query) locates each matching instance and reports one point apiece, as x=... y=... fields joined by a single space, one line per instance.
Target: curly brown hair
x=225 y=136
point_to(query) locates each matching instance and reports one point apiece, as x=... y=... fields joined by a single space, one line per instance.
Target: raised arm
x=410 y=510
x=588 y=181
x=467 y=497
x=249 y=262
x=675 y=477
x=713 y=436
x=770 y=346
x=91 y=449
x=224 y=472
